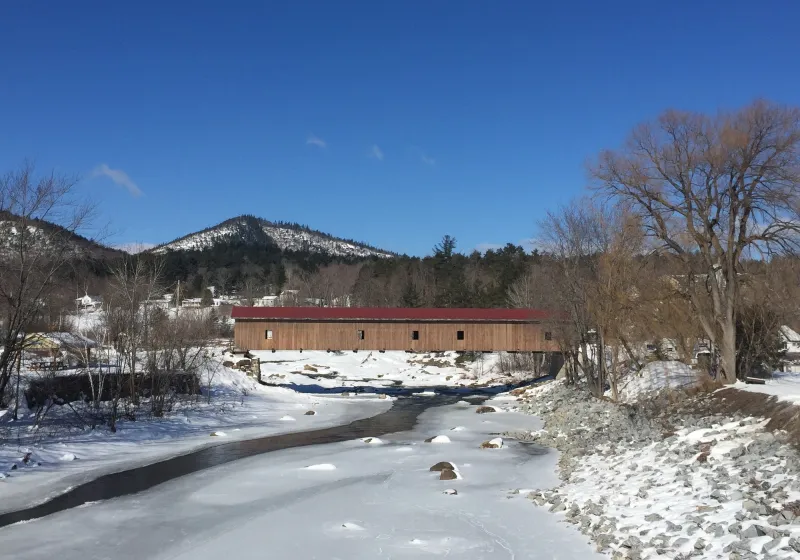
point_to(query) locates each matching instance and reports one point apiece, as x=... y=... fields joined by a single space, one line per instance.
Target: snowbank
x=670 y=486
x=656 y=376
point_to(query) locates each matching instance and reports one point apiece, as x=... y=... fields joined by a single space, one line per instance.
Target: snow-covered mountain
x=284 y=236
x=39 y=236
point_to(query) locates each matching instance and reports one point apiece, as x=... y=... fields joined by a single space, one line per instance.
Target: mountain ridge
x=286 y=236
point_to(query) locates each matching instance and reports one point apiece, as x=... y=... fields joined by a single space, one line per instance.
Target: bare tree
x=715 y=187
x=535 y=289
x=33 y=253
x=128 y=319
x=575 y=236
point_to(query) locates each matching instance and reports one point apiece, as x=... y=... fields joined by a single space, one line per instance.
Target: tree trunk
x=727 y=351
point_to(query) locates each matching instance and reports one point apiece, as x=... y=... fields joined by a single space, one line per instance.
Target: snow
x=239 y=404
x=784 y=386
x=656 y=376
x=440 y=439
x=321 y=467
x=321 y=371
x=377 y=503
x=286 y=238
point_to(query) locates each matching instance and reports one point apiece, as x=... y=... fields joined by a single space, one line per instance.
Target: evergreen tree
x=411 y=297
x=208 y=299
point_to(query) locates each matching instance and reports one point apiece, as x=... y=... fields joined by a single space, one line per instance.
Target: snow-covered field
x=358 y=499
x=240 y=408
x=312 y=370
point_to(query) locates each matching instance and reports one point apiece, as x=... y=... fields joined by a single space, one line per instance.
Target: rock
x=451 y=492
x=749 y=505
x=653 y=517
x=227 y=364
x=752 y=532
x=680 y=542
x=382 y=396
x=716 y=529
x=736 y=452
x=495 y=443
x=770 y=545
x=633 y=543
x=699 y=544
x=673 y=527
x=438 y=439
x=604 y=540
x=794 y=544
x=485 y=409
x=556 y=508
x=310 y=413
x=719 y=496
x=442 y=465
x=448 y=474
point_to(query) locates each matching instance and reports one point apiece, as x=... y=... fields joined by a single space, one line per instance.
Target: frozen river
x=360 y=499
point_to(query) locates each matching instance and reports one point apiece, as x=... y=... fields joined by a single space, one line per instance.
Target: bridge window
x=459 y=335
x=360 y=335
x=268 y=334
x=548 y=335
x=414 y=335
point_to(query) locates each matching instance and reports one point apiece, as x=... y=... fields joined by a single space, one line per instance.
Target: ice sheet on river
x=380 y=501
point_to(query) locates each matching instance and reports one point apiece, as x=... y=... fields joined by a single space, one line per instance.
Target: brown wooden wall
x=250 y=334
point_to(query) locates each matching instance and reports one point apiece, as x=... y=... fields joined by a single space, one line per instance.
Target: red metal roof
x=389 y=314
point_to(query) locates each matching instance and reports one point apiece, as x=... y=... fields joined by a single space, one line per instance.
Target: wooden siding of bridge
x=250 y=334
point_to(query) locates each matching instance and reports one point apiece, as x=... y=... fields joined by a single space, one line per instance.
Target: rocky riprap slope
x=669 y=477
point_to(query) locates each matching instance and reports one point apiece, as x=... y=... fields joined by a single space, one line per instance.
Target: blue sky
x=392 y=123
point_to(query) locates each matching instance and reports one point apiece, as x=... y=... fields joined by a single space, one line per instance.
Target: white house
x=791 y=345
x=89 y=303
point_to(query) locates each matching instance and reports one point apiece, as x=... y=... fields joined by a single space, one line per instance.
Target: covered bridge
x=393 y=328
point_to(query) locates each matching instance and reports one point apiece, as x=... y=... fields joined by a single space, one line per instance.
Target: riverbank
x=675 y=476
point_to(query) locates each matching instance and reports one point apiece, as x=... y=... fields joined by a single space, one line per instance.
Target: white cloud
x=427 y=160
x=483 y=247
x=134 y=248
x=376 y=152
x=316 y=141
x=119 y=177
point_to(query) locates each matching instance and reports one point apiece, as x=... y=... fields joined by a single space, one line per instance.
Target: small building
x=384 y=328
x=59 y=348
